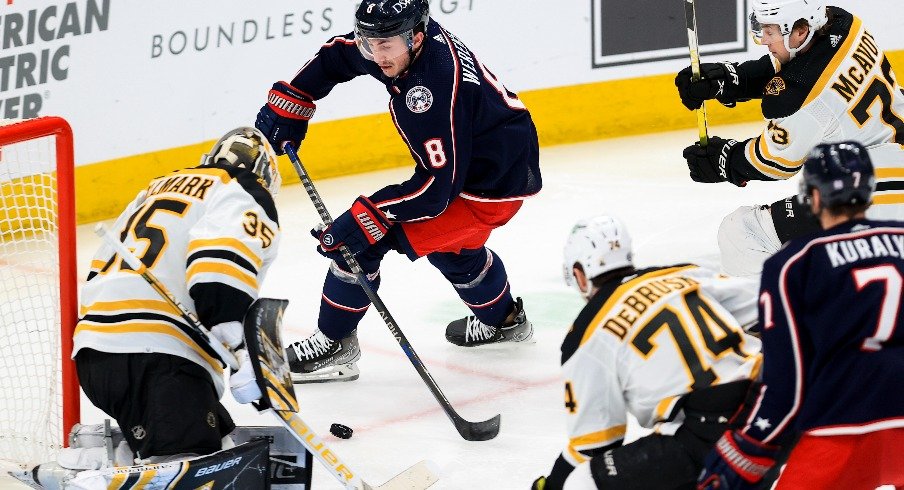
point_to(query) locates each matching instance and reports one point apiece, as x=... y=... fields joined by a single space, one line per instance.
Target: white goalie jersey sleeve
x=208 y=234
x=855 y=97
x=638 y=346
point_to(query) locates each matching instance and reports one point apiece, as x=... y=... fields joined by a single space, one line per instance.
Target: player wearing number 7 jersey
x=833 y=345
x=664 y=344
x=475 y=156
x=825 y=80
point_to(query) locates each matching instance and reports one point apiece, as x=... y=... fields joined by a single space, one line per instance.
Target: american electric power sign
x=637 y=31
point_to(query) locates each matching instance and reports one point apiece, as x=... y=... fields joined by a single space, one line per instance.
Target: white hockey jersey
x=645 y=340
x=208 y=234
x=842 y=88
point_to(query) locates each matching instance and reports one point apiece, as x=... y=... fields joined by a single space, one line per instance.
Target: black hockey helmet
x=843 y=173
x=387 y=18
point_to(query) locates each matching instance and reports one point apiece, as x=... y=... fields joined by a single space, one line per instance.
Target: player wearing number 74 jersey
x=476 y=158
x=833 y=345
x=664 y=344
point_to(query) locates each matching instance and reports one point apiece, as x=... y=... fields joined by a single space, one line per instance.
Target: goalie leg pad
x=746 y=239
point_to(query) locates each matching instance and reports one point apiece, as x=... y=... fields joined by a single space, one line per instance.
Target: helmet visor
x=383 y=48
x=756 y=29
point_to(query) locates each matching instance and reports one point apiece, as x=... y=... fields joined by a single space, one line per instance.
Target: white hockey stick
x=225 y=355
x=419 y=476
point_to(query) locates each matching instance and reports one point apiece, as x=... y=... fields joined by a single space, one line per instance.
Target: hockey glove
x=242 y=382
x=285 y=116
x=717 y=81
x=736 y=462
x=710 y=163
x=358 y=228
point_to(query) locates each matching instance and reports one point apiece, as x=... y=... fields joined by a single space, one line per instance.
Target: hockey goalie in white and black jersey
x=209 y=234
x=826 y=80
x=664 y=344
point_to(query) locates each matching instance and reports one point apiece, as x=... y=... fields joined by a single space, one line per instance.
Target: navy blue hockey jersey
x=833 y=334
x=469 y=135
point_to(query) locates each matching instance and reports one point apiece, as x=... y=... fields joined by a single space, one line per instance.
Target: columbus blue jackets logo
x=419 y=99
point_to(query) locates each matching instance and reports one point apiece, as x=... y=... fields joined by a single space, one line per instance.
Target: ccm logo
x=217 y=467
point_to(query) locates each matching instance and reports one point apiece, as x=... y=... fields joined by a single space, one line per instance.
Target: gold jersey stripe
x=620 y=291
x=665 y=406
x=132 y=304
x=888 y=198
x=764 y=168
x=595 y=439
x=230 y=270
x=144 y=327
x=890 y=173
x=225 y=242
x=840 y=56
x=764 y=149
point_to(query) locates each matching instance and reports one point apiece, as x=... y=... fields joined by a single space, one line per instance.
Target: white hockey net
x=38 y=283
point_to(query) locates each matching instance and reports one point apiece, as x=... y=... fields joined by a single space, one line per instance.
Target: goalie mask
x=599 y=245
x=246 y=147
x=784 y=13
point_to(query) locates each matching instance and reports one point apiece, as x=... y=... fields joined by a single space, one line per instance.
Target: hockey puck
x=341 y=431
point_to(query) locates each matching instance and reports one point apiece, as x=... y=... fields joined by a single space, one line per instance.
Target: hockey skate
x=470 y=332
x=319 y=359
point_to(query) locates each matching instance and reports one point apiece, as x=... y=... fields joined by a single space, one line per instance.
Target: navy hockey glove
x=736 y=462
x=710 y=163
x=358 y=228
x=285 y=116
x=717 y=81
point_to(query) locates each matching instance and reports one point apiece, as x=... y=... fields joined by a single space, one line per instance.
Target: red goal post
x=39 y=391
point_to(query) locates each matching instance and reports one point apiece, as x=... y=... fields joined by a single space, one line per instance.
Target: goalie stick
x=470 y=431
x=272 y=375
x=690 y=20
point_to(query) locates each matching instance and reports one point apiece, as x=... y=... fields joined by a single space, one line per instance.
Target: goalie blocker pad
x=264 y=343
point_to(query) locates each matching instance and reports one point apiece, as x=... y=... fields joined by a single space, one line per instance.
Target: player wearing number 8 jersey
x=826 y=80
x=664 y=344
x=476 y=158
x=833 y=345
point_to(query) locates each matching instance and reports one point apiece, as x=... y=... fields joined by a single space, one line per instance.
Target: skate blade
x=342 y=372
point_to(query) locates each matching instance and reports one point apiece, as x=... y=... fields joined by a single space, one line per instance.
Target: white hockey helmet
x=599 y=244
x=246 y=147
x=784 y=13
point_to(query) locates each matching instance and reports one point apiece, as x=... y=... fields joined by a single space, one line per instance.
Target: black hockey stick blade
x=478 y=431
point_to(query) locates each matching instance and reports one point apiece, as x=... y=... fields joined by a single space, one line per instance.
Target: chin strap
x=792 y=52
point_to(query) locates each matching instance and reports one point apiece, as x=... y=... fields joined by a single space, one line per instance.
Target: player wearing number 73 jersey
x=664 y=344
x=830 y=308
x=826 y=79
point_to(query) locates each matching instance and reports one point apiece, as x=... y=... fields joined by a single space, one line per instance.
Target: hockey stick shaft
x=690 y=20
x=166 y=294
x=471 y=431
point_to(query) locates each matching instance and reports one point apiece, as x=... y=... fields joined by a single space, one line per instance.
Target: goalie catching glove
x=358 y=228
x=717 y=81
x=284 y=118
